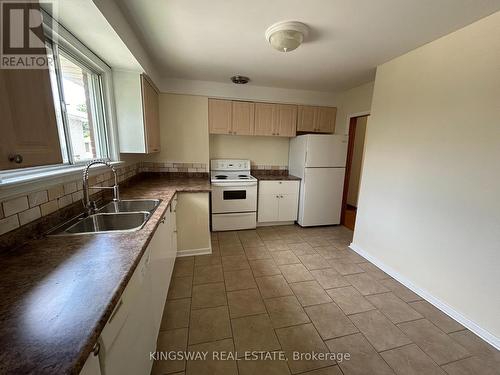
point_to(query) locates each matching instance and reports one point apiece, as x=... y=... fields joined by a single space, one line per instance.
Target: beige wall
x=357 y=161
x=355 y=101
x=183 y=129
x=429 y=206
x=272 y=151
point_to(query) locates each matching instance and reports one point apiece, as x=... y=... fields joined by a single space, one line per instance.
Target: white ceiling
x=213 y=40
x=86 y=22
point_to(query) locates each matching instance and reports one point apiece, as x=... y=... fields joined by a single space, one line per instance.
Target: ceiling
x=213 y=40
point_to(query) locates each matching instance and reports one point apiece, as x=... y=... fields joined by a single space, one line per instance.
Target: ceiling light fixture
x=285 y=36
x=240 y=80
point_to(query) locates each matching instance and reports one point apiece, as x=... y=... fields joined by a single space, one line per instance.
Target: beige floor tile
x=327 y=252
x=411 y=360
x=329 y=278
x=172 y=340
x=207 y=260
x=209 y=295
x=379 y=330
x=285 y=311
x=235 y=263
x=314 y=262
x=318 y=241
x=273 y=286
x=472 y=366
x=302 y=339
x=264 y=367
x=237 y=280
x=183 y=267
x=209 y=324
x=366 y=284
x=176 y=314
x=213 y=365
x=264 y=267
x=374 y=271
x=436 y=316
x=310 y=293
x=330 y=321
x=302 y=248
x=364 y=360
x=180 y=287
x=476 y=345
x=284 y=257
x=350 y=300
x=276 y=245
x=254 y=253
x=434 y=342
x=207 y=274
x=245 y=302
x=332 y=370
x=254 y=333
x=345 y=268
x=400 y=290
x=252 y=242
x=295 y=273
x=232 y=250
x=290 y=238
x=394 y=308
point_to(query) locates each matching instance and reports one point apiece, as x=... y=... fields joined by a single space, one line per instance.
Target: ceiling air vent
x=240 y=80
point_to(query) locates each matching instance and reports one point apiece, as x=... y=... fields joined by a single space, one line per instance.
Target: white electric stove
x=234 y=195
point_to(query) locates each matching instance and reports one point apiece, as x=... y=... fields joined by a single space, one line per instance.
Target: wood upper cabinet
x=242 y=118
x=287 y=120
x=137 y=103
x=220 y=116
x=316 y=119
x=306 y=121
x=326 y=119
x=29 y=126
x=151 y=113
x=265 y=118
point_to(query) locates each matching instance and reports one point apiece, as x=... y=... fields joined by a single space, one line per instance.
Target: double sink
x=116 y=216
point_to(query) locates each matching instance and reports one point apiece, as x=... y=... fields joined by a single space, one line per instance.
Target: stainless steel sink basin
x=108 y=222
x=131 y=205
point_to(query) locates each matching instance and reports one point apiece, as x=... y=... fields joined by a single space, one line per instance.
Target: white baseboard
x=191 y=252
x=275 y=223
x=443 y=306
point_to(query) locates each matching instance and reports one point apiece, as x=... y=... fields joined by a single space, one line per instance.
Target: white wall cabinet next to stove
x=278 y=201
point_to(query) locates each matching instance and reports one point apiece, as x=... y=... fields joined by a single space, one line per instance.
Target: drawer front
x=279 y=187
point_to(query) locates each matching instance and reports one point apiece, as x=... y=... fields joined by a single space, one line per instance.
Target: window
x=78 y=99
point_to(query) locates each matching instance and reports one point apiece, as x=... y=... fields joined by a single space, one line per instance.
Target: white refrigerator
x=319 y=160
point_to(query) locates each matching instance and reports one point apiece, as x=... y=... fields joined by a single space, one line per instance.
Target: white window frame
x=70 y=44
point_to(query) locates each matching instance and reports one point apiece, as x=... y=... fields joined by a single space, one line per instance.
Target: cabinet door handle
x=96 y=349
x=17 y=158
x=234 y=133
x=163 y=220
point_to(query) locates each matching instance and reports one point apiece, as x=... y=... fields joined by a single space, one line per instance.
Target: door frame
x=352 y=122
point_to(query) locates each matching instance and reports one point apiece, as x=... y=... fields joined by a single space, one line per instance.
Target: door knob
x=17 y=158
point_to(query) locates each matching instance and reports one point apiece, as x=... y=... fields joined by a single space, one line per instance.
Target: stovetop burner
x=221 y=177
x=243 y=176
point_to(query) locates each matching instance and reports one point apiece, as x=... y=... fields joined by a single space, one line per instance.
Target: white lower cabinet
x=278 y=201
x=132 y=330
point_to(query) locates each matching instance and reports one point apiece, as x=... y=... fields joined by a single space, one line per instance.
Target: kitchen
x=213 y=223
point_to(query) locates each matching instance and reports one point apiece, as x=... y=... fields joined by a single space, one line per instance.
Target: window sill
x=18 y=182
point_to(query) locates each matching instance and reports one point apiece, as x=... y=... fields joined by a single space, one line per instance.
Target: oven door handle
x=234 y=184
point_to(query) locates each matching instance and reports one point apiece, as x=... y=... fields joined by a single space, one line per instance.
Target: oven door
x=228 y=197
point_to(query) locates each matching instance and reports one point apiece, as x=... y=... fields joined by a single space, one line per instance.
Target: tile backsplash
x=20 y=210
x=174 y=167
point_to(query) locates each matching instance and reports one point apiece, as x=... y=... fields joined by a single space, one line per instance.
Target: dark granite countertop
x=275 y=177
x=57 y=293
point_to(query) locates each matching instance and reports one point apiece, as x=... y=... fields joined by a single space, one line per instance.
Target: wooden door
x=29 y=126
x=265 y=118
x=306 y=121
x=243 y=118
x=220 y=116
x=151 y=113
x=287 y=120
x=326 y=119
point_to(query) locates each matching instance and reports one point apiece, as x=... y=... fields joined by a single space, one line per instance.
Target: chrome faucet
x=90 y=206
